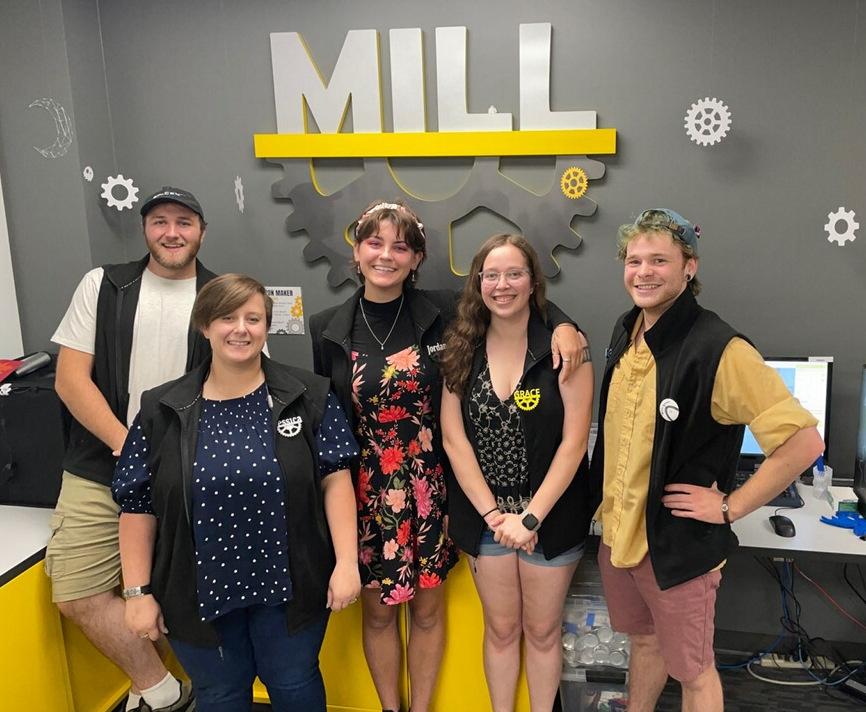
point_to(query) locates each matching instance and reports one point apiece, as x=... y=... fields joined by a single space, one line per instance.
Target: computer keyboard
x=788 y=498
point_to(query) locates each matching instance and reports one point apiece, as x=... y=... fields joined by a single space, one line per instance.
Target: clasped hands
x=508 y=530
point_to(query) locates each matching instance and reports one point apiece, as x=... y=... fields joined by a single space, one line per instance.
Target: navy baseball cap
x=167 y=194
x=673 y=222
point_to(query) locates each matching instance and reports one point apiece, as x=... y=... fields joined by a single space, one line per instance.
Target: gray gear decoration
x=327 y=219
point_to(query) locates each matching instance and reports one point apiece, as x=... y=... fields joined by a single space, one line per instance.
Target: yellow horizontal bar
x=418 y=145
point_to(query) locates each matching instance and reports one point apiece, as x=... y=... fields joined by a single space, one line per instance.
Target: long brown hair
x=466 y=330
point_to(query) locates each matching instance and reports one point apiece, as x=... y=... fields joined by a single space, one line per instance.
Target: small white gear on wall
x=708 y=121
x=851 y=226
x=125 y=183
x=87 y=173
x=239 y=193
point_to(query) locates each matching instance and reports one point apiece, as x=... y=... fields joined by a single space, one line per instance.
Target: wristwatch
x=530 y=521
x=136 y=591
x=725 y=515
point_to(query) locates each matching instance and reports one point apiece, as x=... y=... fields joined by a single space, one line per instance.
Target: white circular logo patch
x=669 y=409
x=289 y=427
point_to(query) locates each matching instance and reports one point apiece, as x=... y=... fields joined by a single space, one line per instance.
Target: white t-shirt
x=159 y=337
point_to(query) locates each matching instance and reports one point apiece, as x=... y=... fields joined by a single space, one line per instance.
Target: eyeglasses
x=491 y=278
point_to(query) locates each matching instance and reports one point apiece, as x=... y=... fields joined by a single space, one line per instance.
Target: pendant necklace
x=391 y=331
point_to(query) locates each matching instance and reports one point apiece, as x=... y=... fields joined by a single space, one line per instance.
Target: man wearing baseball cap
x=126 y=330
x=679 y=386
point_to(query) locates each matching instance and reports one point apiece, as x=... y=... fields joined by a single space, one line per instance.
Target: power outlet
x=782 y=661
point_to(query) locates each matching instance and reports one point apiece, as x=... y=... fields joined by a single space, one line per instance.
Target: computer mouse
x=782 y=525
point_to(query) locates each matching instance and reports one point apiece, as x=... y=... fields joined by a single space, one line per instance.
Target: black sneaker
x=185 y=703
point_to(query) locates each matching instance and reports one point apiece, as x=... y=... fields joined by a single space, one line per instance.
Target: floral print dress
x=401 y=485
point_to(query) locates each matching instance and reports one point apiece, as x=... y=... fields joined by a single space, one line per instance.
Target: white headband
x=385 y=206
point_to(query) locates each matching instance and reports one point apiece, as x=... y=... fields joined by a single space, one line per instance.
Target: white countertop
x=24 y=532
x=812 y=535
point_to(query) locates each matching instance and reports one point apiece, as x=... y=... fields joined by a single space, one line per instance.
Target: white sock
x=133 y=702
x=164 y=693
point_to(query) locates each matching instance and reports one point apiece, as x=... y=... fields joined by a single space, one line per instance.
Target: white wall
x=10 y=326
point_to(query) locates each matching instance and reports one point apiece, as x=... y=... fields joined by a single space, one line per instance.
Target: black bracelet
x=495 y=509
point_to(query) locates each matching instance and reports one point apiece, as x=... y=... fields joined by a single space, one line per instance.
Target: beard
x=176 y=260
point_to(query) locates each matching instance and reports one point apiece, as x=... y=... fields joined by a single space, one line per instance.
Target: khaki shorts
x=83 y=556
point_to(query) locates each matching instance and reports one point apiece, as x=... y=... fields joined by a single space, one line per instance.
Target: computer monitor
x=810 y=380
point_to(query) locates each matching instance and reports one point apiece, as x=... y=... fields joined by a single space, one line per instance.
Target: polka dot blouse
x=238 y=498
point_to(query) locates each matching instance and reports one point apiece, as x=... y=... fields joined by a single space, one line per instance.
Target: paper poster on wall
x=288 y=317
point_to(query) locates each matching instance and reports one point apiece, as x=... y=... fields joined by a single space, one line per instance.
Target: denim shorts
x=489 y=547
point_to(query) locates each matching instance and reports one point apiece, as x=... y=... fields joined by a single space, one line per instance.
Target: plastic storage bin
x=587 y=638
x=601 y=692
x=594 y=656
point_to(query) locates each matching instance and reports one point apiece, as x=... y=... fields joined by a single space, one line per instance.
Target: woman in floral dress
x=378 y=348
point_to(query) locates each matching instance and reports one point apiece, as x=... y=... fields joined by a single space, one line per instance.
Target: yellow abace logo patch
x=528 y=399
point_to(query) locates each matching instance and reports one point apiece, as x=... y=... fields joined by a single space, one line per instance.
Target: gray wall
x=172 y=93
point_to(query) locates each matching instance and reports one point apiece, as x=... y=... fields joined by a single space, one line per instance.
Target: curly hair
x=629 y=232
x=406 y=225
x=466 y=330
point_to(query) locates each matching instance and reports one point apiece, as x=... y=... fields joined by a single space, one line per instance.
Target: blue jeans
x=254 y=642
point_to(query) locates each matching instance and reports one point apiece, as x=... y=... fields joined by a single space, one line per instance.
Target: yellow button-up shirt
x=746 y=390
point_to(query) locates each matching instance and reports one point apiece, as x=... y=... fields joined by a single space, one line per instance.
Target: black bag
x=32 y=439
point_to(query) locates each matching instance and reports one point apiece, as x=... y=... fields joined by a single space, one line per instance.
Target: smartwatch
x=530 y=521
x=137 y=591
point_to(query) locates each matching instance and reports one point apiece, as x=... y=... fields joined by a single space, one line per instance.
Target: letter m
x=299 y=85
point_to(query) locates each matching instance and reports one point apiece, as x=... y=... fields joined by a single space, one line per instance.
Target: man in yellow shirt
x=679 y=386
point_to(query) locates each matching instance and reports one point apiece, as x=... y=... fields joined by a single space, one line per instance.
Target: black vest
x=687 y=344
x=169 y=418
x=86 y=455
x=331 y=333
x=567 y=523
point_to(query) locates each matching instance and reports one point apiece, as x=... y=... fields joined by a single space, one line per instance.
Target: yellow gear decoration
x=527 y=400
x=574 y=183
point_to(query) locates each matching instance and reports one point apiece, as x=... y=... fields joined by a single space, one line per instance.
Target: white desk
x=813 y=536
x=24 y=534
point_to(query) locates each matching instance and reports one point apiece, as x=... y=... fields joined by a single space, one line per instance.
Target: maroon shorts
x=681 y=617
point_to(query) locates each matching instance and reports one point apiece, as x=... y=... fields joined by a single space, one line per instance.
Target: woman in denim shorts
x=516 y=438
